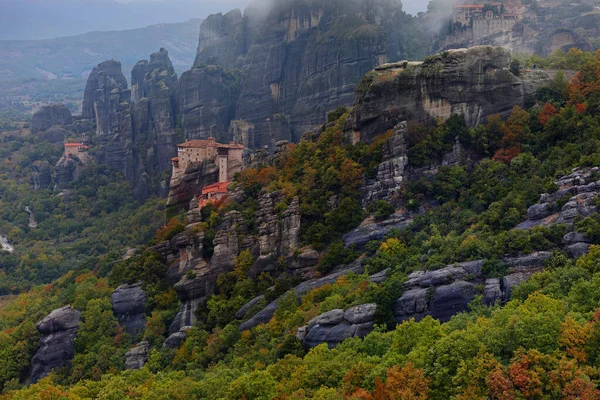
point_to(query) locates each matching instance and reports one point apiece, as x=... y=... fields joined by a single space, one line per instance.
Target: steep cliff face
x=473 y=83
x=107 y=102
x=154 y=89
x=194 y=272
x=136 y=137
x=222 y=40
x=300 y=59
x=105 y=91
x=207 y=102
x=189 y=184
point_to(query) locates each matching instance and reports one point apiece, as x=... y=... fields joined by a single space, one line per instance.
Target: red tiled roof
x=210 y=142
x=76 y=145
x=477 y=6
x=175 y=159
x=219 y=187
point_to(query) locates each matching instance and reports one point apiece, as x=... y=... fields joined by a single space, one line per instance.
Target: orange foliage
x=514 y=132
x=506 y=155
x=163 y=232
x=574 y=338
x=408 y=383
x=581 y=108
x=526 y=374
x=548 y=112
x=500 y=386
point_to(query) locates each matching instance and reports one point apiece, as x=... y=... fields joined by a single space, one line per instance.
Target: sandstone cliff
x=299 y=60
x=154 y=90
x=135 y=136
x=195 y=273
x=207 y=102
x=473 y=83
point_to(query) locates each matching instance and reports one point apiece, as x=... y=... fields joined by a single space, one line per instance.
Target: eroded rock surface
x=298 y=61
x=57 y=344
x=473 y=83
x=335 y=326
x=136 y=357
x=49 y=116
x=129 y=306
x=154 y=89
x=576 y=196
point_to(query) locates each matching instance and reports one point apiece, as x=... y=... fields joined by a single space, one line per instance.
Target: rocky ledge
x=473 y=83
x=574 y=196
x=335 y=326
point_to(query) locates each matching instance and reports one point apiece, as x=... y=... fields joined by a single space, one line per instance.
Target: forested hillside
x=508 y=197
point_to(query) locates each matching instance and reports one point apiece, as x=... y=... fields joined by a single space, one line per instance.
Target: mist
x=47 y=19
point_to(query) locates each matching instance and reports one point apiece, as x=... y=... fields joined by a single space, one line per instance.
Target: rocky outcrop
x=278 y=235
x=391 y=172
x=446 y=292
x=175 y=340
x=129 y=306
x=49 y=116
x=66 y=171
x=265 y=315
x=136 y=357
x=473 y=83
x=335 y=326
x=222 y=41
x=207 y=102
x=277 y=239
x=57 y=344
x=371 y=230
x=576 y=196
x=41 y=175
x=299 y=59
x=154 y=90
x=104 y=98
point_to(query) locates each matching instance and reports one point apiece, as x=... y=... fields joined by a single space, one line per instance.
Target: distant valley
x=37 y=72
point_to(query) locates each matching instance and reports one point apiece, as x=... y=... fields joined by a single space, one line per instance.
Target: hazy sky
x=42 y=19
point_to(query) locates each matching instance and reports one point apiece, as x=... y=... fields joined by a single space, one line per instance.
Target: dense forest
x=543 y=343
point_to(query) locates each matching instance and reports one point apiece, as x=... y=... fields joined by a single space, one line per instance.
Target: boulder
x=49 y=116
x=136 y=357
x=129 y=306
x=511 y=281
x=335 y=326
x=360 y=314
x=55 y=135
x=452 y=299
x=175 y=340
x=57 y=344
x=332 y=317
